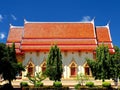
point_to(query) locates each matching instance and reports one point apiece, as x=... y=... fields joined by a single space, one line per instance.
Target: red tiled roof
x=62 y=47
x=58 y=41
x=58 y=30
x=112 y=51
x=68 y=36
x=15 y=35
x=103 y=34
x=18 y=51
x=17 y=45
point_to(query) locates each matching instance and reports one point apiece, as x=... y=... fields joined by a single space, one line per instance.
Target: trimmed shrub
x=57 y=84
x=77 y=86
x=106 y=84
x=24 y=84
x=89 y=84
x=39 y=84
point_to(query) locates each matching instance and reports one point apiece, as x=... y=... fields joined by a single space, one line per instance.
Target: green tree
x=115 y=64
x=101 y=66
x=12 y=54
x=9 y=67
x=54 y=64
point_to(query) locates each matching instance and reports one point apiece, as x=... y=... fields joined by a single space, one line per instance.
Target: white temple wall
x=37 y=58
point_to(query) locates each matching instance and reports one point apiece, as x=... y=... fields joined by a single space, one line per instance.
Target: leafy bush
x=89 y=84
x=24 y=84
x=39 y=77
x=77 y=86
x=81 y=78
x=57 y=84
x=39 y=84
x=106 y=84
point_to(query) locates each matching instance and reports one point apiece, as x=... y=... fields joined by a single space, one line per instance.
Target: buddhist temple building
x=76 y=40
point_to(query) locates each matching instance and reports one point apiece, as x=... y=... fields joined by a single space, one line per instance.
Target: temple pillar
x=68 y=72
x=80 y=69
x=65 y=72
x=37 y=69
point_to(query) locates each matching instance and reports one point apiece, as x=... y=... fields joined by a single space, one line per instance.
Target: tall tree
x=12 y=54
x=8 y=63
x=115 y=64
x=101 y=66
x=54 y=64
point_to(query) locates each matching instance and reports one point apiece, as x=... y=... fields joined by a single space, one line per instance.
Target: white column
x=40 y=69
x=68 y=72
x=80 y=69
x=37 y=70
x=65 y=72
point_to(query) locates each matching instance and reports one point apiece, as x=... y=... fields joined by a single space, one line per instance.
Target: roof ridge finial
x=10 y=25
x=93 y=19
x=108 y=23
x=25 y=21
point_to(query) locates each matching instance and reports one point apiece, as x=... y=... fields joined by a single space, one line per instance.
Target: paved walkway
x=66 y=82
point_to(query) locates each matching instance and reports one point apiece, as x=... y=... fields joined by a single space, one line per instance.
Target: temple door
x=30 y=69
x=73 y=69
x=87 y=70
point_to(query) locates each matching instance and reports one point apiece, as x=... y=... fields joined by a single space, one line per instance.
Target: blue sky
x=15 y=11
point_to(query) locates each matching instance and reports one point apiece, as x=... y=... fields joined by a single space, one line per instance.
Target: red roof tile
x=17 y=45
x=68 y=36
x=58 y=41
x=103 y=34
x=59 y=30
x=15 y=35
x=62 y=47
x=18 y=51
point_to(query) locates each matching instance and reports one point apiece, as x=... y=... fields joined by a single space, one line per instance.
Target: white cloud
x=13 y=17
x=1 y=18
x=2 y=35
x=86 y=19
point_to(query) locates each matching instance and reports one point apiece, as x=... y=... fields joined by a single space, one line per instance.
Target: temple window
x=87 y=69
x=30 y=69
x=73 y=69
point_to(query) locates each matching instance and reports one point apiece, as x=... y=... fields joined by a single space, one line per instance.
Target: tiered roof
x=15 y=35
x=39 y=36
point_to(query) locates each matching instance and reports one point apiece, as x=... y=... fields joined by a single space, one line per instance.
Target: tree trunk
x=10 y=82
x=103 y=80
